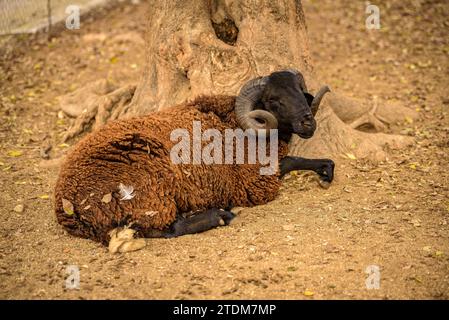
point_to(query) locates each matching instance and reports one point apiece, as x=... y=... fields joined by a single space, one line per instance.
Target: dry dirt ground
x=310 y=243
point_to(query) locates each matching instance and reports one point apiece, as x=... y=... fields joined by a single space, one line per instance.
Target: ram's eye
x=275 y=104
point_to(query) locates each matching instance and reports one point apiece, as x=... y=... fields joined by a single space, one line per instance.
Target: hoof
x=225 y=217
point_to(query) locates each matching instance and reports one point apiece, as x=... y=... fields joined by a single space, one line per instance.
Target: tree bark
x=192 y=51
x=214 y=46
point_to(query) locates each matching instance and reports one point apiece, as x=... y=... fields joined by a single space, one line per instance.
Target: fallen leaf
x=351 y=156
x=122 y=240
x=308 y=293
x=14 y=153
x=44 y=196
x=416 y=279
x=107 y=198
x=68 y=207
x=63 y=145
x=439 y=253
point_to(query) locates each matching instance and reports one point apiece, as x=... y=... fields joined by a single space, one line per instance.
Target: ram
x=120 y=182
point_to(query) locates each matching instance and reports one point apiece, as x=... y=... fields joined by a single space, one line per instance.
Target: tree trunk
x=214 y=46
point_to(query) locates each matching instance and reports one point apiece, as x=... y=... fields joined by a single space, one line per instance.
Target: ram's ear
x=309 y=98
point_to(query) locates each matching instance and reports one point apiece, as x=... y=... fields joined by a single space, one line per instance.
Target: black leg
x=324 y=167
x=196 y=223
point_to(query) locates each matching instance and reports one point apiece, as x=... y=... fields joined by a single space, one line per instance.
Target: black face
x=284 y=98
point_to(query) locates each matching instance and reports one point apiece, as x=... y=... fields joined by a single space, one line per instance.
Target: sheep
x=122 y=177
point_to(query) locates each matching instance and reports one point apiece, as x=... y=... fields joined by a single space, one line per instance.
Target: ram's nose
x=305 y=128
x=308 y=125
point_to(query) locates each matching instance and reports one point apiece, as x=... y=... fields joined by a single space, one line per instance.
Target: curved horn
x=317 y=100
x=245 y=102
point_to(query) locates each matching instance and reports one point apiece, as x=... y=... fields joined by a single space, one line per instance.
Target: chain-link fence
x=27 y=16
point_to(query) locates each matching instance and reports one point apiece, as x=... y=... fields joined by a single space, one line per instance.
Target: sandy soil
x=310 y=243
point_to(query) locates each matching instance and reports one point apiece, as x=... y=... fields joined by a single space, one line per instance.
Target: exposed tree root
x=374 y=115
x=95 y=110
x=334 y=138
x=370 y=118
x=74 y=103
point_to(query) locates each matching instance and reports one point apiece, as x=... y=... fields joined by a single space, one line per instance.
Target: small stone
x=44 y=150
x=329 y=248
x=416 y=222
x=19 y=208
x=324 y=184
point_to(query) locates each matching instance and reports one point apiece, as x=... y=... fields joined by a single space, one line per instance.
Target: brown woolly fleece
x=136 y=152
